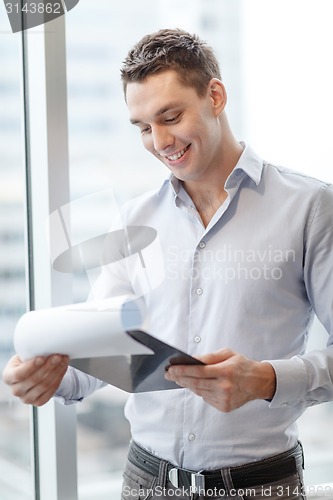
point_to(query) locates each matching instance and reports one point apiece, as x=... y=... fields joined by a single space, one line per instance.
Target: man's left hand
x=227 y=381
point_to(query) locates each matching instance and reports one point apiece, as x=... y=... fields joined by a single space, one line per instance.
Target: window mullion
x=47 y=178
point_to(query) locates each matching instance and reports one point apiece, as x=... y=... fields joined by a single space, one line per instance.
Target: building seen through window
x=15 y=455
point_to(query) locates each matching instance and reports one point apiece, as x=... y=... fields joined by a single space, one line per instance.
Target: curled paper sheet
x=89 y=329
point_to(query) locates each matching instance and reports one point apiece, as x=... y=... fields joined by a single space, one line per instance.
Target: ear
x=218 y=95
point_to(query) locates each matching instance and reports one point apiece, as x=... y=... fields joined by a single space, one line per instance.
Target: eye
x=145 y=130
x=172 y=119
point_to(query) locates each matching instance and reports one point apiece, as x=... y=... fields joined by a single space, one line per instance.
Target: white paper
x=90 y=329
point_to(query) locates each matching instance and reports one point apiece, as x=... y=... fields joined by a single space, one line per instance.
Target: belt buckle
x=197 y=479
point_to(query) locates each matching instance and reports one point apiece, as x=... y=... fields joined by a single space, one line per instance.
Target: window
x=15 y=465
x=288 y=113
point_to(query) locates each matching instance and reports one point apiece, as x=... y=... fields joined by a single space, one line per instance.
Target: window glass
x=289 y=105
x=106 y=152
x=15 y=477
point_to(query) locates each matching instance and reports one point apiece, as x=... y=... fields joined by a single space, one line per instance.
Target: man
x=248 y=255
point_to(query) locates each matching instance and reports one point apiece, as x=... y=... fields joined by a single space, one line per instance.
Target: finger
x=175 y=372
x=199 y=370
x=216 y=395
x=207 y=371
x=49 y=372
x=42 y=376
x=198 y=385
x=216 y=357
x=17 y=370
x=42 y=386
x=45 y=390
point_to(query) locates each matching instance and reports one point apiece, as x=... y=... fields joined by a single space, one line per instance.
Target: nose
x=162 y=138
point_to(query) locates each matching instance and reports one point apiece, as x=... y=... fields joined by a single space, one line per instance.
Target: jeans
x=140 y=485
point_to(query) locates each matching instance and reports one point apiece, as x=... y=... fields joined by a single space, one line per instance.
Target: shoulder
x=305 y=194
x=293 y=178
x=296 y=184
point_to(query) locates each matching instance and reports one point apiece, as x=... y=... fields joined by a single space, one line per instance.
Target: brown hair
x=192 y=59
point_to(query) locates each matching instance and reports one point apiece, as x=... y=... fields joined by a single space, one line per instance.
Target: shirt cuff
x=66 y=388
x=291 y=382
x=66 y=402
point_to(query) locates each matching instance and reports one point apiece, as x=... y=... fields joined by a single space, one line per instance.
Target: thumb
x=216 y=357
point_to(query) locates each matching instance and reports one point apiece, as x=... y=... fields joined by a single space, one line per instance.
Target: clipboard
x=138 y=372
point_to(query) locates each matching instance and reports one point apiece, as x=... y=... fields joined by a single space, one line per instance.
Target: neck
x=209 y=193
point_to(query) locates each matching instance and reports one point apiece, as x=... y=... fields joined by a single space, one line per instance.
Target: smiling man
x=188 y=132
x=248 y=254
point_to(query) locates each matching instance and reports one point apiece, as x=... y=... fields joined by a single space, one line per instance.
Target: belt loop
x=162 y=473
x=229 y=485
x=227 y=479
x=302 y=451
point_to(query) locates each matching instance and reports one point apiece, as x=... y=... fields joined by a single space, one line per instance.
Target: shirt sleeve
x=77 y=385
x=308 y=378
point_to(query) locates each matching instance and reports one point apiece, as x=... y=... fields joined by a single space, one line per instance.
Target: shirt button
x=202 y=244
x=197 y=339
x=199 y=291
x=191 y=437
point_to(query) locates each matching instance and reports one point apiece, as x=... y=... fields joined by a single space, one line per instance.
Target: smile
x=178 y=155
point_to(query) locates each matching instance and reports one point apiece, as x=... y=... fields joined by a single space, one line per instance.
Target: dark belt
x=249 y=475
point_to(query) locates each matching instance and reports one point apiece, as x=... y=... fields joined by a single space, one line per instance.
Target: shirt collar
x=171 y=181
x=249 y=163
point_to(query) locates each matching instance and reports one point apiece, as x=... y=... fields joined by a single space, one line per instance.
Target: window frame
x=53 y=426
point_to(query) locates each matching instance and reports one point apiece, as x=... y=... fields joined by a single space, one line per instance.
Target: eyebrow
x=160 y=112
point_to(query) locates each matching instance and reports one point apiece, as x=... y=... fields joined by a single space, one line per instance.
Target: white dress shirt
x=250 y=281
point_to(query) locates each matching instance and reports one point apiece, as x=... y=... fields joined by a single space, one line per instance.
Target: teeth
x=177 y=155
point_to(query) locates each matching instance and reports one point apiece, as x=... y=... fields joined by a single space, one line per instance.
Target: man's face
x=177 y=126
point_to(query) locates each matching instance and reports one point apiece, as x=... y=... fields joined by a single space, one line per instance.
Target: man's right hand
x=35 y=381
